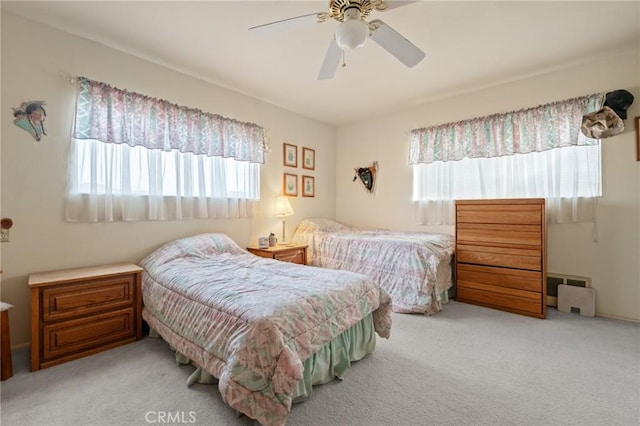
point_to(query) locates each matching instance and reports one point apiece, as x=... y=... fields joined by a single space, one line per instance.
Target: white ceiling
x=468 y=45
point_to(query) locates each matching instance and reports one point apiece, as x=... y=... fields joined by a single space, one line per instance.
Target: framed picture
x=637 y=120
x=308 y=186
x=290 y=185
x=308 y=158
x=290 y=155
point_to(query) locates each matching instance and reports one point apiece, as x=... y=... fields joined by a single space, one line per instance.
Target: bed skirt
x=327 y=364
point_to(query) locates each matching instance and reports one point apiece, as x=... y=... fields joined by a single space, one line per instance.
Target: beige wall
x=33 y=175
x=611 y=262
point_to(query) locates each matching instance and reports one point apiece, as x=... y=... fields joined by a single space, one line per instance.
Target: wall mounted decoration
x=289 y=155
x=637 y=120
x=619 y=101
x=367 y=176
x=30 y=116
x=266 y=144
x=5 y=224
x=308 y=186
x=290 y=185
x=308 y=158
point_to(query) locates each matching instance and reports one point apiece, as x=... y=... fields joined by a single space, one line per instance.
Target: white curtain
x=116 y=182
x=569 y=178
x=538 y=152
x=134 y=157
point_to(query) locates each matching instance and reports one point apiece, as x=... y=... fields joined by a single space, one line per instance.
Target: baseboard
x=616 y=317
x=20 y=346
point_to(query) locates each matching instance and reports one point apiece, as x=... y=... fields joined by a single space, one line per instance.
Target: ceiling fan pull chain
x=344 y=62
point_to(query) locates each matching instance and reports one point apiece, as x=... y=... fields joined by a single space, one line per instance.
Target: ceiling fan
x=354 y=31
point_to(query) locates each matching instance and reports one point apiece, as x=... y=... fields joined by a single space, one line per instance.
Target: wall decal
x=30 y=117
x=367 y=176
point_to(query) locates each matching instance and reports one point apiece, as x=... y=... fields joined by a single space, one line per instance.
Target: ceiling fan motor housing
x=337 y=8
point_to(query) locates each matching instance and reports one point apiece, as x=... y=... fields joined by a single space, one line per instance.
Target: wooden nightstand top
x=68 y=275
x=276 y=249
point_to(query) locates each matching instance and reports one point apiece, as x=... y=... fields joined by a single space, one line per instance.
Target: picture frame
x=308 y=158
x=637 y=121
x=289 y=155
x=290 y=184
x=308 y=186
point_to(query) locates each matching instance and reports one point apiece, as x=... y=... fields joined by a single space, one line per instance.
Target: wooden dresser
x=501 y=254
x=292 y=254
x=79 y=312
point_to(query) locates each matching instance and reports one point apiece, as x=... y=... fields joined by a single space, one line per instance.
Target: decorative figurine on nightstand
x=272 y=240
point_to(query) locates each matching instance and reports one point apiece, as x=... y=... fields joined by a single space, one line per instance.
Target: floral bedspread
x=414 y=268
x=256 y=319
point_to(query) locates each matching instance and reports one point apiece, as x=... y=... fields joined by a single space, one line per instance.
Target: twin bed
x=414 y=268
x=269 y=330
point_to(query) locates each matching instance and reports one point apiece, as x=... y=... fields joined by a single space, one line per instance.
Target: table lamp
x=283 y=209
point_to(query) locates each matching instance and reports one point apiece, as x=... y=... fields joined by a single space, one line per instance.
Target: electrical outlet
x=4 y=235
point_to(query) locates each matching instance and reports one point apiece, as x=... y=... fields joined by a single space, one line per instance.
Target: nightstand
x=7 y=366
x=292 y=254
x=79 y=312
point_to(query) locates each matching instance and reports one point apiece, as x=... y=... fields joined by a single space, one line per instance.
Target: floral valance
x=541 y=128
x=118 y=116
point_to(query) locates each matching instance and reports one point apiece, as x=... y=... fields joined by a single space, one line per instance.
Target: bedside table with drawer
x=79 y=312
x=292 y=254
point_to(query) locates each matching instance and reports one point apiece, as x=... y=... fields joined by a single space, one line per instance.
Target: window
x=158 y=161
x=569 y=178
x=557 y=162
x=139 y=171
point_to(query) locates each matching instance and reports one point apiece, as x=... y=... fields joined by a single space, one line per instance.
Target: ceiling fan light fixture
x=353 y=32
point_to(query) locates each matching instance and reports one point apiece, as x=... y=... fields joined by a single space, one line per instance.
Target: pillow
x=317 y=224
x=202 y=245
x=207 y=245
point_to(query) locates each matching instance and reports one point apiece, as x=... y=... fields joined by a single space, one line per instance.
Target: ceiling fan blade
x=392 y=4
x=331 y=61
x=394 y=43
x=311 y=18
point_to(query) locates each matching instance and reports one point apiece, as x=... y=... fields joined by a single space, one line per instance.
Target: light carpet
x=467 y=365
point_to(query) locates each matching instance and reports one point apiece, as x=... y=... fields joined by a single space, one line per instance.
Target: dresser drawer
x=72 y=300
x=481 y=276
x=73 y=336
x=293 y=256
x=530 y=259
x=499 y=300
x=496 y=234
x=499 y=213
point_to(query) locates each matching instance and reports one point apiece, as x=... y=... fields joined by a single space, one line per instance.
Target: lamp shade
x=283 y=207
x=352 y=34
